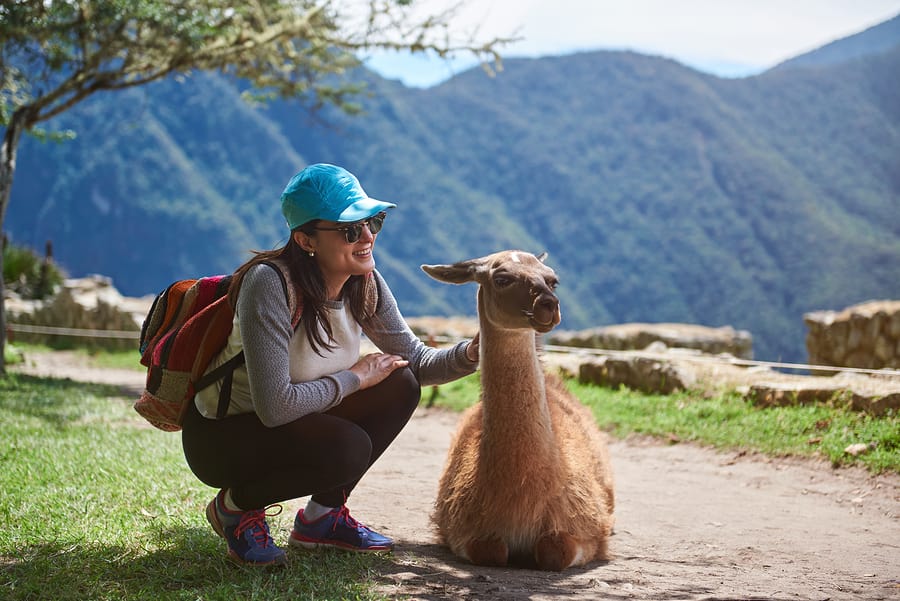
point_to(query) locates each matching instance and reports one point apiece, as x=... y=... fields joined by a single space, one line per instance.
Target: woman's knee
x=403 y=386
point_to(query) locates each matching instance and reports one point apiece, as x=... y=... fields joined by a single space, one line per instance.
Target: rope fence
x=76 y=332
x=709 y=359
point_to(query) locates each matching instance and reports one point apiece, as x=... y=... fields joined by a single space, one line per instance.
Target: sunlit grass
x=98 y=505
x=127 y=359
x=727 y=421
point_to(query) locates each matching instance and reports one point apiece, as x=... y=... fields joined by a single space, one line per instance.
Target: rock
x=635 y=336
x=636 y=372
x=870 y=394
x=865 y=336
x=858 y=449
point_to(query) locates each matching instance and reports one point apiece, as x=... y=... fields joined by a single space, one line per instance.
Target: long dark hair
x=309 y=284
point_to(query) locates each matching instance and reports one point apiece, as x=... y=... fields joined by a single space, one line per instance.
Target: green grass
x=128 y=359
x=116 y=359
x=96 y=505
x=13 y=354
x=728 y=422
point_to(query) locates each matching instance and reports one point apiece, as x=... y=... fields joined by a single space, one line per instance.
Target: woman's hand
x=372 y=369
x=472 y=348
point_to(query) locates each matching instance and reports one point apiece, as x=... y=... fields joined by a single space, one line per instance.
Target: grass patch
x=99 y=506
x=116 y=359
x=13 y=354
x=457 y=395
x=99 y=358
x=728 y=422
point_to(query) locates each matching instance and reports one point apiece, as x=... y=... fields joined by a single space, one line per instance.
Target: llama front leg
x=557 y=551
x=490 y=551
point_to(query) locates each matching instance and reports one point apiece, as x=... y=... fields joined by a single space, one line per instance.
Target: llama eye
x=502 y=281
x=552 y=284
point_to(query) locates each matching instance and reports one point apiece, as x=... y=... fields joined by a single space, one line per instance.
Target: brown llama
x=527 y=479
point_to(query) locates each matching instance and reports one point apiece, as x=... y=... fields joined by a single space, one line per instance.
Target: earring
x=312 y=254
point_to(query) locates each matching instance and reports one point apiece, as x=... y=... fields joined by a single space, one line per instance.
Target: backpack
x=187 y=326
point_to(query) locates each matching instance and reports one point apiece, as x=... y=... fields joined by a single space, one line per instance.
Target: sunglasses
x=353 y=231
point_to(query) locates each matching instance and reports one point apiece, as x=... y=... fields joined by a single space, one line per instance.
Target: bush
x=27 y=274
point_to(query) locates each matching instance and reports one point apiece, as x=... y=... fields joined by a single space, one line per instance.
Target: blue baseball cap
x=329 y=192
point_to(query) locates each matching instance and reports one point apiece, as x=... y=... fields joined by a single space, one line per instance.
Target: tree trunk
x=17 y=124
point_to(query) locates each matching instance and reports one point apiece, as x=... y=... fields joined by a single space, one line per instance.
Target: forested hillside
x=661 y=193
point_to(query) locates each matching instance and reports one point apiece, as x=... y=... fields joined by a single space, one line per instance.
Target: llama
x=527 y=480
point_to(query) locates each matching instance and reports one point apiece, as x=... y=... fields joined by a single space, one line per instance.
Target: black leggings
x=321 y=454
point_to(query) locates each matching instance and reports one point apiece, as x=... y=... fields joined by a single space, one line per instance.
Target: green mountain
x=661 y=193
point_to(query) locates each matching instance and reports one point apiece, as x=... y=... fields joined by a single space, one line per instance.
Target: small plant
x=27 y=274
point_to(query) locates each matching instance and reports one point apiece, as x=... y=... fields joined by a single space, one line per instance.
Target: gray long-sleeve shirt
x=283 y=379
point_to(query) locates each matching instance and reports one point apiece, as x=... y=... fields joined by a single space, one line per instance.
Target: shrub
x=27 y=274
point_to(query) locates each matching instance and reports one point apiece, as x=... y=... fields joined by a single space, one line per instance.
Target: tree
x=56 y=53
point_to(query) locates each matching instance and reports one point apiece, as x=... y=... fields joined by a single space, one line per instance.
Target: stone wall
x=638 y=336
x=863 y=336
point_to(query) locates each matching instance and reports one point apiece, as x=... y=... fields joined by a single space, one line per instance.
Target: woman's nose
x=366 y=234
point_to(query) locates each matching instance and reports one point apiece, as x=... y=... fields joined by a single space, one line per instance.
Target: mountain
x=877 y=39
x=660 y=193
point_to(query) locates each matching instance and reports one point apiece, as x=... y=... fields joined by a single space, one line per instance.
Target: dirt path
x=691 y=523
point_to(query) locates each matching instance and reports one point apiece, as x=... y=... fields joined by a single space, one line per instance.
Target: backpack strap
x=373 y=295
x=225 y=371
x=295 y=307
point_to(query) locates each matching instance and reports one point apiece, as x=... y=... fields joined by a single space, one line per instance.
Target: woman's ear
x=303 y=240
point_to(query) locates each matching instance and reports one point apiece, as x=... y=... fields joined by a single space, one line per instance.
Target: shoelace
x=255 y=522
x=344 y=513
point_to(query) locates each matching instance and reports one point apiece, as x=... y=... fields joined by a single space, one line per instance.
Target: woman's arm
x=389 y=332
x=265 y=323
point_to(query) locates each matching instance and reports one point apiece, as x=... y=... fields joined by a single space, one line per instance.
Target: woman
x=306 y=415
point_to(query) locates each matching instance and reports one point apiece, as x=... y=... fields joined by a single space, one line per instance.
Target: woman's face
x=337 y=258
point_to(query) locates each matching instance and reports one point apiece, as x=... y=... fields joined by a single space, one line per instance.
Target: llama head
x=515 y=288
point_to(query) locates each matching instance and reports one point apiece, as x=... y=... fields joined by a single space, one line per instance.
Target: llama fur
x=528 y=478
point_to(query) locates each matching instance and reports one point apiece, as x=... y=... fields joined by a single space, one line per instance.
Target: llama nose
x=546 y=309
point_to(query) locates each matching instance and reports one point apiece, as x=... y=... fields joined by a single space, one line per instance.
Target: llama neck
x=513 y=394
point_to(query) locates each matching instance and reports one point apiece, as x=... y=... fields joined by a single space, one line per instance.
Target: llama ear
x=458 y=273
x=541 y=257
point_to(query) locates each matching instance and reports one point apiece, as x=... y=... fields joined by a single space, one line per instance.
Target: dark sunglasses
x=353 y=231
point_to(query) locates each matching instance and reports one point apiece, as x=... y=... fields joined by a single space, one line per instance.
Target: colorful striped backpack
x=186 y=328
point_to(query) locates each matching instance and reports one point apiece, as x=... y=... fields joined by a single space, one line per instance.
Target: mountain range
x=660 y=193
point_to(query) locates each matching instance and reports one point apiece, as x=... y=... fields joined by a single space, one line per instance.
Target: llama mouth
x=543 y=316
x=542 y=326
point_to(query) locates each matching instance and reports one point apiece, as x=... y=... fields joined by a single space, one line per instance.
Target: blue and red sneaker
x=246 y=533
x=338 y=530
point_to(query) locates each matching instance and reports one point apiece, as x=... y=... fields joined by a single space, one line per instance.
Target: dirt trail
x=691 y=523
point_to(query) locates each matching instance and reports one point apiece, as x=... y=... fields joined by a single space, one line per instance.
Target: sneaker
x=337 y=529
x=246 y=533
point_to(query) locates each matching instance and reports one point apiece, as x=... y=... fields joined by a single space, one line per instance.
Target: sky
x=729 y=38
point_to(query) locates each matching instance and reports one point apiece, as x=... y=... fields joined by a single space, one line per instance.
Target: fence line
x=713 y=359
x=726 y=360
x=81 y=333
